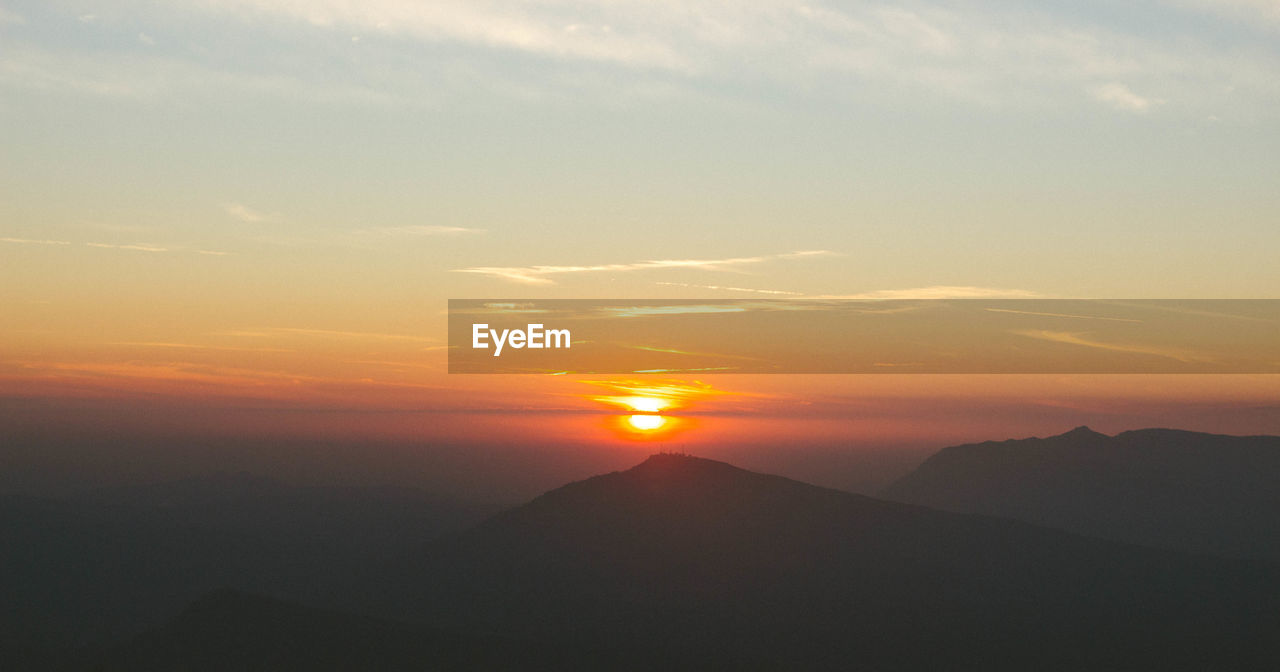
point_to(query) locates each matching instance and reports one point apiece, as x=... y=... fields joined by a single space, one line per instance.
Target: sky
x=245 y=206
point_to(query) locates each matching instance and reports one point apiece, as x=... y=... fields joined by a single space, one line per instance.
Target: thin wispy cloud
x=579 y=30
x=986 y=54
x=937 y=292
x=650 y=311
x=776 y=292
x=245 y=214
x=432 y=366
x=674 y=351
x=515 y=307
x=537 y=275
x=700 y=369
x=276 y=332
x=168 y=372
x=32 y=241
x=194 y=346
x=419 y=230
x=137 y=248
x=120 y=228
x=651 y=396
x=1064 y=315
x=1263 y=13
x=160 y=79
x=1122 y=98
x=1083 y=340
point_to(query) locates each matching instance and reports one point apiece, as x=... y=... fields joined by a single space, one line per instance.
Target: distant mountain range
x=1189 y=491
x=677 y=563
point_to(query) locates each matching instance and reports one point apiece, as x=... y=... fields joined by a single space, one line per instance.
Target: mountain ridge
x=683 y=562
x=724 y=564
x=1176 y=489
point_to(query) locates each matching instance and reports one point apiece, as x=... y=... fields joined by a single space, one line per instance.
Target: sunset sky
x=244 y=218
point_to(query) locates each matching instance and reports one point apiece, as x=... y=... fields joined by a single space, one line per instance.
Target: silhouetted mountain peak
x=672 y=483
x=679 y=466
x=1082 y=432
x=683 y=506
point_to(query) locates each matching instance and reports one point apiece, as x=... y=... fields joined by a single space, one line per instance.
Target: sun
x=647 y=423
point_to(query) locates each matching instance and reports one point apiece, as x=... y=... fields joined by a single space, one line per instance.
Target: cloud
x=1179 y=354
x=778 y=292
x=1255 y=12
x=535 y=275
x=139 y=248
x=515 y=307
x=653 y=396
x=613 y=50
x=1122 y=98
x=11 y=18
x=1066 y=315
x=700 y=369
x=649 y=311
x=156 y=79
x=29 y=241
x=620 y=33
x=419 y=230
x=120 y=228
x=245 y=213
x=989 y=54
x=937 y=292
x=194 y=346
x=167 y=372
x=275 y=332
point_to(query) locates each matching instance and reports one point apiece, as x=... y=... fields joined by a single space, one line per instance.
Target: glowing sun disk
x=647 y=423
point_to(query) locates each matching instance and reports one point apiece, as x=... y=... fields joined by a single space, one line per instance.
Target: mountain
x=678 y=563
x=108 y=564
x=695 y=564
x=1172 y=489
x=233 y=631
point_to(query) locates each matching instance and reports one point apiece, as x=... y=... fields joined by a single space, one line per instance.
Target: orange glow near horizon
x=347 y=375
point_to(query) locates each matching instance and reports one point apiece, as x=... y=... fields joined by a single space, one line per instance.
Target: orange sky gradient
x=230 y=232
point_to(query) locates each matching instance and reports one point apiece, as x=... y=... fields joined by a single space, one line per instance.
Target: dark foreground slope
x=1158 y=487
x=104 y=566
x=692 y=563
x=228 y=630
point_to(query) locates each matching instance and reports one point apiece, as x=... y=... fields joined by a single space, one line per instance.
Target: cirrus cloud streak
x=536 y=275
